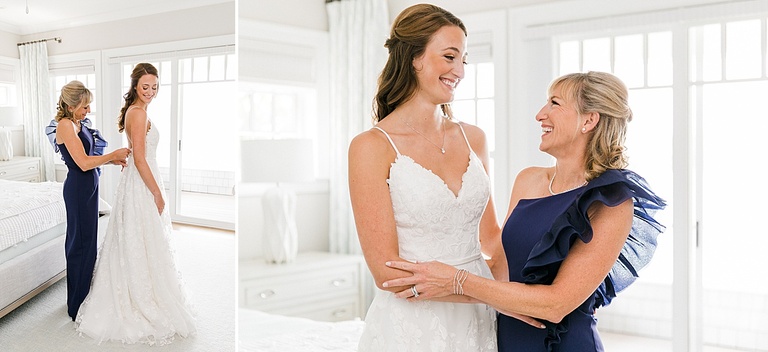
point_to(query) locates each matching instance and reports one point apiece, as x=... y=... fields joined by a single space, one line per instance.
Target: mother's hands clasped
x=434 y=280
x=431 y=280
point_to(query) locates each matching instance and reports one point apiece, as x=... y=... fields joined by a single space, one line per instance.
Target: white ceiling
x=50 y=15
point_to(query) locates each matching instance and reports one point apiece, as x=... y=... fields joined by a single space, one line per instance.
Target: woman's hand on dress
x=431 y=279
x=160 y=203
x=120 y=156
x=434 y=280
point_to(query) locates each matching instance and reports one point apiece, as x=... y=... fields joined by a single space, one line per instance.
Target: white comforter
x=27 y=209
x=264 y=332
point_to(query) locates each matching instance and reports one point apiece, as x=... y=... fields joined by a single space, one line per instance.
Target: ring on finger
x=413 y=290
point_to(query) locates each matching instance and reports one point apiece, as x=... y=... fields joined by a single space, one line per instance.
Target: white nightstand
x=318 y=285
x=21 y=168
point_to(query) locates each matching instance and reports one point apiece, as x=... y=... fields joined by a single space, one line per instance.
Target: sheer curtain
x=36 y=96
x=358 y=30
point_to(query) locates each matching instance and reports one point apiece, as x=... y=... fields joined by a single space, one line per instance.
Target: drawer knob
x=339 y=313
x=338 y=282
x=266 y=294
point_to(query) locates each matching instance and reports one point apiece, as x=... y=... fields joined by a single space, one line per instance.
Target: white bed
x=263 y=332
x=32 y=229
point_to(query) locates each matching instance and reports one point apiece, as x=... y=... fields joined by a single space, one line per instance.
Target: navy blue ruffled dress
x=538 y=236
x=81 y=200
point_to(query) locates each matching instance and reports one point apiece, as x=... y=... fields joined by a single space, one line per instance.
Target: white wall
x=206 y=21
x=8 y=44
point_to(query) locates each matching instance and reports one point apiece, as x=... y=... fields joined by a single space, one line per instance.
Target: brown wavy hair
x=606 y=95
x=139 y=71
x=73 y=94
x=411 y=31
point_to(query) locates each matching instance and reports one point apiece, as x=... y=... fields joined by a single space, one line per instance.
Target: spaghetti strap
x=390 y=139
x=465 y=137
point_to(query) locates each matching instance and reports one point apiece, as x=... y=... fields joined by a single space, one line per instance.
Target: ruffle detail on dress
x=99 y=143
x=611 y=188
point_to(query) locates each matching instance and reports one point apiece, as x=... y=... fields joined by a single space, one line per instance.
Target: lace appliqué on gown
x=137 y=294
x=433 y=223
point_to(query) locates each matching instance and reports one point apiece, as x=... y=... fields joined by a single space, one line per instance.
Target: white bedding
x=27 y=209
x=263 y=332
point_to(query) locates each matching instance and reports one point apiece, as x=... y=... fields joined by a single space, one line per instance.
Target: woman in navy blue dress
x=576 y=233
x=81 y=149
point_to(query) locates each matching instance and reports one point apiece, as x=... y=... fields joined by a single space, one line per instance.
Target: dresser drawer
x=21 y=169
x=339 y=309
x=271 y=290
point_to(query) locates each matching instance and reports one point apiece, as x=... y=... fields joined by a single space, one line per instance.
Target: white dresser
x=21 y=168
x=318 y=285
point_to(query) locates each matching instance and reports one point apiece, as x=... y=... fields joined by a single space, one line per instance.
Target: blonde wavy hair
x=606 y=95
x=73 y=94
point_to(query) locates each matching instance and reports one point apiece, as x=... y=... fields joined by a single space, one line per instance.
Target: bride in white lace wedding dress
x=137 y=295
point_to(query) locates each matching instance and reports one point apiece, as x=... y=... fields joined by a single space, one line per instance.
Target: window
x=727 y=72
x=643 y=62
x=60 y=75
x=276 y=111
x=474 y=103
x=195 y=112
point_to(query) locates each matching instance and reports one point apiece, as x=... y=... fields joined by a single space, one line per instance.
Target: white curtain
x=36 y=101
x=358 y=30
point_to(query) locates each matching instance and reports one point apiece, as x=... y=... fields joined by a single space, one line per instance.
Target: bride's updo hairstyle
x=411 y=31
x=606 y=95
x=73 y=94
x=139 y=71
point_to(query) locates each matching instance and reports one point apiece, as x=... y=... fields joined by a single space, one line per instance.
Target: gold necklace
x=568 y=190
x=442 y=148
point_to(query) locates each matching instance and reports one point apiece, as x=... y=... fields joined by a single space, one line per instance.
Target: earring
x=583 y=130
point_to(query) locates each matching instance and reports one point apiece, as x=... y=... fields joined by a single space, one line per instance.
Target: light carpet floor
x=206 y=260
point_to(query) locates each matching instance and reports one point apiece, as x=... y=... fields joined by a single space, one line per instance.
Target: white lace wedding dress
x=434 y=224
x=136 y=294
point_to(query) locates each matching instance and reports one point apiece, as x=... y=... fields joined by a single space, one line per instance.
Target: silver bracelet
x=458 y=281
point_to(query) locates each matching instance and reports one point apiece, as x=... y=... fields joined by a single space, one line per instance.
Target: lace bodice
x=433 y=223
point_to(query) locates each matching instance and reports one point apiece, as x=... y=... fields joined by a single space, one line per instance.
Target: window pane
x=486 y=117
x=185 y=70
x=660 y=59
x=466 y=88
x=200 y=69
x=485 y=87
x=231 y=67
x=597 y=55
x=742 y=50
x=218 y=65
x=569 y=57
x=630 y=65
x=261 y=116
x=165 y=73
x=729 y=228
x=285 y=115
x=711 y=53
x=464 y=110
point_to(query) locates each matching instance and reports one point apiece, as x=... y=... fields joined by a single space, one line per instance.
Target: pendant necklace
x=568 y=190
x=442 y=148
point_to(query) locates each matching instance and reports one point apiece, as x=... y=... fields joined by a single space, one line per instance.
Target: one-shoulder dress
x=433 y=223
x=81 y=200
x=538 y=236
